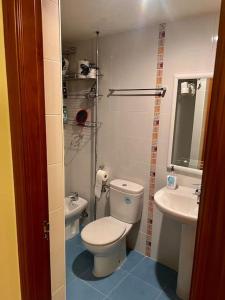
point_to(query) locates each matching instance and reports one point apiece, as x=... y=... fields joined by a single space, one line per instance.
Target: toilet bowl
x=105 y=238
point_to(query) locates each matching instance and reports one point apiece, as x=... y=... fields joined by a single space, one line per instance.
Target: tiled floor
x=139 y=278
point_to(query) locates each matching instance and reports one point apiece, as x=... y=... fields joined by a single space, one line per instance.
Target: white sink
x=74 y=208
x=179 y=204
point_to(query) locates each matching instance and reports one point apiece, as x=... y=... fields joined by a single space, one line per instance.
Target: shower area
x=80 y=78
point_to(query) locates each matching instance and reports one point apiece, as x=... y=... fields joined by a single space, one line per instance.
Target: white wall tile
x=57 y=222
x=50 y=24
x=57 y=248
x=53 y=97
x=55 y=186
x=55 y=1
x=57 y=269
x=137 y=241
x=54 y=138
x=59 y=294
x=53 y=108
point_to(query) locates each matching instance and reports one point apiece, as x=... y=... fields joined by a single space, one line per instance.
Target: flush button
x=127 y=200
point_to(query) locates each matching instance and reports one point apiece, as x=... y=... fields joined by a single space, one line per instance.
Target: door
x=24 y=64
x=208 y=277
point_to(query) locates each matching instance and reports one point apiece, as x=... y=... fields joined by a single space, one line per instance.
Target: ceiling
x=81 y=18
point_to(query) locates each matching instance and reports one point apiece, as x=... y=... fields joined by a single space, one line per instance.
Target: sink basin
x=179 y=204
x=75 y=208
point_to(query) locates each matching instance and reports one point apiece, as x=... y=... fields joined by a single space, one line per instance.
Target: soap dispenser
x=172 y=179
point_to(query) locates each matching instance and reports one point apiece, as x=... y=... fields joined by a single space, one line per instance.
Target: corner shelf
x=85 y=96
x=74 y=77
x=87 y=124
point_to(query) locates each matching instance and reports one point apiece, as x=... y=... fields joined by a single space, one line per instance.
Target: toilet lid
x=103 y=231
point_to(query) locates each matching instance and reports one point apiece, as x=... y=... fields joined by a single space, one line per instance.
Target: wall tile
x=55 y=1
x=53 y=107
x=50 y=23
x=54 y=138
x=59 y=294
x=57 y=248
x=57 y=269
x=52 y=76
x=144 y=218
x=57 y=228
x=55 y=186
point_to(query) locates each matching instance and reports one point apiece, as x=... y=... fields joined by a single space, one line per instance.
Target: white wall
x=128 y=60
x=53 y=110
x=190 y=48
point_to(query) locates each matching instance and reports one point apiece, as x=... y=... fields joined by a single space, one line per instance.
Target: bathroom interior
x=136 y=84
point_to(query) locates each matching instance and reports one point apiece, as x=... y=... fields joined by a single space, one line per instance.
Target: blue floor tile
x=78 y=290
x=132 y=288
x=133 y=258
x=72 y=253
x=168 y=294
x=155 y=274
x=76 y=241
x=105 y=284
x=69 y=276
x=139 y=278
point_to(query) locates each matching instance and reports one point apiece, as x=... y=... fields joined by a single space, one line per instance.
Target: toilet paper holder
x=105 y=185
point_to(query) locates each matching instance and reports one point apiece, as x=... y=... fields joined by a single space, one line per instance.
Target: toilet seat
x=103 y=231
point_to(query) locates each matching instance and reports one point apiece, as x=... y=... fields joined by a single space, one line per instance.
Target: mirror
x=192 y=95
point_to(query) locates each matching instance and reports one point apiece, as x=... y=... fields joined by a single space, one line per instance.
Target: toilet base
x=106 y=265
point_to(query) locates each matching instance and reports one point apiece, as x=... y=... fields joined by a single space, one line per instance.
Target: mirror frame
x=172 y=122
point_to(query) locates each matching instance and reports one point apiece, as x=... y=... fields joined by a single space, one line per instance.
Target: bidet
x=74 y=206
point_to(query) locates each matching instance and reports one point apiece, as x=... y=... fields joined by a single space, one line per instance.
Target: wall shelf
x=74 y=77
x=83 y=96
x=87 y=124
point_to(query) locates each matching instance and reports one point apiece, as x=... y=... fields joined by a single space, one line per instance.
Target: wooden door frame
x=25 y=77
x=24 y=63
x=208 y=277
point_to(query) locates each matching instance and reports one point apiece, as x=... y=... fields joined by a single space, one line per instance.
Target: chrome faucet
x=198 y=191
x=74 y=196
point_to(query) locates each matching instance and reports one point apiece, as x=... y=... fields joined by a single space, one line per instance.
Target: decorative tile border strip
x=155 y=134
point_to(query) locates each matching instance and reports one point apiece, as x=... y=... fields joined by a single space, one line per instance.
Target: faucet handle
x=198 y=191
x=74 y=196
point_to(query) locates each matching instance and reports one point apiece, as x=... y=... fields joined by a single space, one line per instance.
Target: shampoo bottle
x=172 y=180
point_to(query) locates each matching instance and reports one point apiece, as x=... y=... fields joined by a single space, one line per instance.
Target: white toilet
x=106 y=237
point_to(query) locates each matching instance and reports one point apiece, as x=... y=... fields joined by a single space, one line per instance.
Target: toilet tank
x=126 y=200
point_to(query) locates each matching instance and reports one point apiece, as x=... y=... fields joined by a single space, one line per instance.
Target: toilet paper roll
x=101 y=177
